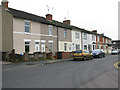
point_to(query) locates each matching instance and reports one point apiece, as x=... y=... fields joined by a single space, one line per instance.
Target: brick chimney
x=49 y=17
x=95 y=31
x=66 y=22
x=5 y=4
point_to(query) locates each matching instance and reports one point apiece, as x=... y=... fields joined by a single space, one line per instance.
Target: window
x=85 y=47
x=77 y=46
x=65 y=32
x=50 y=30
x=77 y=35
x=70 y=47
x=65 y=46
x=93 y=37
x=97 y=47
x=89 y=47
x=103 y=39
x=37 y=47
x=85 y=36
x=27 y=47
x=98 y=38
x=106 y=40
x=42 y=47
x=27 y=26
x=50 y=47
x=87 y=52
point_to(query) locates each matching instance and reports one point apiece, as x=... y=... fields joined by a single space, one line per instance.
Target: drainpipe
x=81 y=40
x=57 y=41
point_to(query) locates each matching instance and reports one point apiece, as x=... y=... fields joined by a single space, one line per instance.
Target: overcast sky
x=100 y=15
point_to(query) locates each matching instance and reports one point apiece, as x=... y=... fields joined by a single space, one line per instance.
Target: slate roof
x=29 y=16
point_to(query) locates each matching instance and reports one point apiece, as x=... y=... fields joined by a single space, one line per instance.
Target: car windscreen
x=95 y=51
x=78 y=51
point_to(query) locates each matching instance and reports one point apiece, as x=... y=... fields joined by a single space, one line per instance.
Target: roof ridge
x=27 y=12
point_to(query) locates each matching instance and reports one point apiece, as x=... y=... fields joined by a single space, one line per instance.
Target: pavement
x=42 y=62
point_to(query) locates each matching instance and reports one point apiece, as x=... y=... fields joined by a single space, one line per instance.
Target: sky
x=100 y=15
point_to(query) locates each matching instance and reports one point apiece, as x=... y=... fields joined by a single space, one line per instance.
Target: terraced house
x=26 y=32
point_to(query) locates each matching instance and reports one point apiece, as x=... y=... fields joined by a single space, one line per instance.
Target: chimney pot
x=66 y=22
x=49 y=17
x=95 y=31
x=5 y=4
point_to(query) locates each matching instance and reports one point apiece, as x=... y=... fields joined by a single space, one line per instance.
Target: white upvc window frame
x=37 y=45
x=77 y=35
x=27 y=26
x=65 y=32
x=50 y=28
x=51 y=46
x=85 y=36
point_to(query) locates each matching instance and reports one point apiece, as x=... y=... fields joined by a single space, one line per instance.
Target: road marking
x=116 y=65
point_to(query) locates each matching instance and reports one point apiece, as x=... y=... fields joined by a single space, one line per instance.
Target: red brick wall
x=66 y=55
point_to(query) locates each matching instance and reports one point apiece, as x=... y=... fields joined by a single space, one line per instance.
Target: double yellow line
x=116 y=65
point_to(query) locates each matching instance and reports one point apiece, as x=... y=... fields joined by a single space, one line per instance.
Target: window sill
x=50 y=35
x=27 y=33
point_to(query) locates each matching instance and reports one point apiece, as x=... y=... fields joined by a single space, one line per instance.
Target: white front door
x=43 y=47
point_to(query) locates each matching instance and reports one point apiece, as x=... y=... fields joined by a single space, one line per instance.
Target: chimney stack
x=66 y=22
x=94 y=31
x=49 y=17
x=5 y=4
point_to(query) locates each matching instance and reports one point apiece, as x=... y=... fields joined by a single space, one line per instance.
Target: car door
x=87 y=54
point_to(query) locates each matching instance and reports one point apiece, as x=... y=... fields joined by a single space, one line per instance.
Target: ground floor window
x=37 y=47
x=89 y=47
x=77 y=46
x=50 y=47
x=97 y=47
x=70 y=46
x=65 y=46
x=42 y=47
x=85 y=47
x=27 y=47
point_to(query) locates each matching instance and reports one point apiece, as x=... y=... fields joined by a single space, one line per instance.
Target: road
x=96 y=73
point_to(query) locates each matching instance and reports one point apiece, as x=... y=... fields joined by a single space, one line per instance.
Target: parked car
x=82 y=54
x=98 y=53
x=115 y=51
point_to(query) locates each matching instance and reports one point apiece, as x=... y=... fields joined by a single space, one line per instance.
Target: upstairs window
x=27 y=26
x=65 y=32
x=93 y=37
x=50 y=30
x=85 y=36
x=98 y=38
x=77 y=35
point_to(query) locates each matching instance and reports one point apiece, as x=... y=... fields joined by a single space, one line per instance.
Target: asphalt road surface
x=96 y=73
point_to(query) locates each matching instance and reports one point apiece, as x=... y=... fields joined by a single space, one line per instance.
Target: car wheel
x=84 y=58
x=91 y=58
x=74 y=59
x=99 y=56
